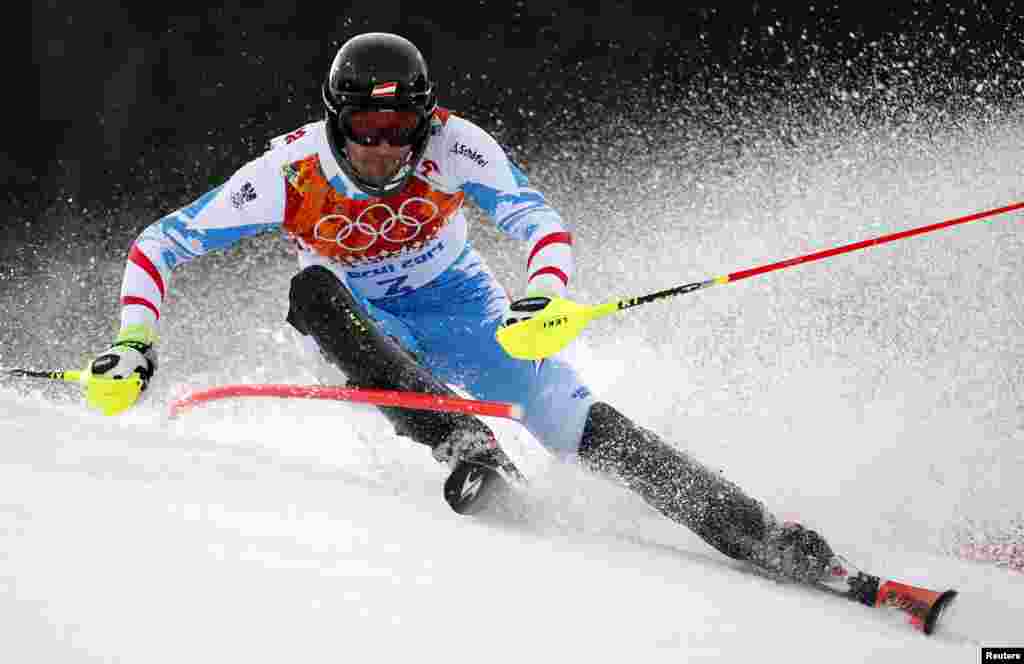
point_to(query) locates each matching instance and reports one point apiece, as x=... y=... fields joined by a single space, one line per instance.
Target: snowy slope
x=223 y=538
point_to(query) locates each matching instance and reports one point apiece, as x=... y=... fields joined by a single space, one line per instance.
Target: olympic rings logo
x=396 y=227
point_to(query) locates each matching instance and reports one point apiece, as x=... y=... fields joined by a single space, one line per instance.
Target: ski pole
x=107 y=395
x=556 y=325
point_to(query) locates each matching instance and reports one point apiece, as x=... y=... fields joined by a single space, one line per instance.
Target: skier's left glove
x=133 y=352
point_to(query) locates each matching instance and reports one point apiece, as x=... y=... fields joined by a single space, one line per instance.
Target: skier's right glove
x=131 y=353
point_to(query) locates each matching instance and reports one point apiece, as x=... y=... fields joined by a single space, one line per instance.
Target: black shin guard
x=673 y=483
x=320 y=306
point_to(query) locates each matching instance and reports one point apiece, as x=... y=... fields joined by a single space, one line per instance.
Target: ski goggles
x=372 y=127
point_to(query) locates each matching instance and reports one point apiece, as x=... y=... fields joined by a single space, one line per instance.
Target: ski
x=924 y=607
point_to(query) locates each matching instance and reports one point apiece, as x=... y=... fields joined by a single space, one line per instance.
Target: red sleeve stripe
x=130 y=299
x=551 y=238
x=550 y=270
x=142 y=260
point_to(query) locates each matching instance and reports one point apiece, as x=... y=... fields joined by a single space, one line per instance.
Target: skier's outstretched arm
x=250 y=202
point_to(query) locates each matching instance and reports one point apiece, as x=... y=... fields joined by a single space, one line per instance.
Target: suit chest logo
x=379 y=221
x=361 y=231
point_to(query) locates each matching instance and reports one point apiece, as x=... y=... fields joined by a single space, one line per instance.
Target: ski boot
x=793 y=552
x=481 y=472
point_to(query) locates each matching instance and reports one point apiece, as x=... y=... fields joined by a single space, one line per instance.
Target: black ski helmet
x=378 y=71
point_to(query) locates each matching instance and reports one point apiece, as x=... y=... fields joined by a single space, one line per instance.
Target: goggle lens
x=372 y=127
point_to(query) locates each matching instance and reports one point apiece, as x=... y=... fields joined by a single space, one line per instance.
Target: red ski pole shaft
x=807 y=258
x=892 y=237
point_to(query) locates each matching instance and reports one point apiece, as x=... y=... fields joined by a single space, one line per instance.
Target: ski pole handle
x=110 y=396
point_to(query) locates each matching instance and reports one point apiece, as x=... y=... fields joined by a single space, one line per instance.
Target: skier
x=392 y=294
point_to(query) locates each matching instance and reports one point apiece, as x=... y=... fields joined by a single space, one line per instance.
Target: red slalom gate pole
x=395 y=398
